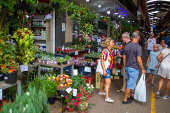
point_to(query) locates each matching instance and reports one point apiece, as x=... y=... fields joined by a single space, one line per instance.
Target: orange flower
x=0 y=51
x=12 y=62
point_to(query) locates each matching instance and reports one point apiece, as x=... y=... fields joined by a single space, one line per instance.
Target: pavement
x=152 y=105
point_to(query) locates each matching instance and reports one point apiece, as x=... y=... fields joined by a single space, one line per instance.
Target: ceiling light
x=108 y=12
x=87 y=0
x=99 y=6
x=133 y=21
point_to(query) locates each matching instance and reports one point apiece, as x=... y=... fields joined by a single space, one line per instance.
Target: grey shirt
x=132 y=50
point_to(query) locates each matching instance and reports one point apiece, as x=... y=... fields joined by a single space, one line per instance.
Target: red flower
x=79 y=95
x=77 y=99
x=78 y=103
x=65 y=96
x=87 y=93
x=3 y=100
x=0 y=110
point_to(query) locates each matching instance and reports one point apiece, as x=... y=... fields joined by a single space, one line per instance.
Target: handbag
x=140 y=91
x=99 y=68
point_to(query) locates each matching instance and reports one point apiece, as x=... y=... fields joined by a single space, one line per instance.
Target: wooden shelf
x=38 y=26
x=40 y=39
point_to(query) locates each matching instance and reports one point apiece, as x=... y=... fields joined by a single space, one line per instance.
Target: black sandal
x=119 y=90
x=152 y=84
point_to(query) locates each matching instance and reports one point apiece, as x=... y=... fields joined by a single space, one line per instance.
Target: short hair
x=168 y=43
x=106 y=42
x=135 y=34
x=152 y=34
x=126 y=34
x=156 y=45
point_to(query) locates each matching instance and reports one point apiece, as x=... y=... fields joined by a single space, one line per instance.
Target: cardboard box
x=98 y=80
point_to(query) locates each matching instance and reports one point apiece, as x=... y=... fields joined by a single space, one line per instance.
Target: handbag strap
x=165 y=56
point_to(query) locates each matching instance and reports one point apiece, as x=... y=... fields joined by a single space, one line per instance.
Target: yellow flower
x=49 y=78
x=53 y=76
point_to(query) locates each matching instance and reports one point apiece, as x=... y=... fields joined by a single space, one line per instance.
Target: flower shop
x=40 y=64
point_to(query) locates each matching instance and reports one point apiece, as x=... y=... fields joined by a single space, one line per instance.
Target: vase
x=10 y=78
x=1 y=77
x=82 y=111
x=70 y=109
x=51 y=100
x=61 y=92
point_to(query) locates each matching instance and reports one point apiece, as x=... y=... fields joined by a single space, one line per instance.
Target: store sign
x=122 y=11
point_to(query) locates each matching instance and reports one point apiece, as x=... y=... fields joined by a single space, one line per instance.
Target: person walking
x=149 y=45
x=152 y=64
x=132 y=61
x=106 y=77
x=162 y=45
x=125 y=39
x=164 y=71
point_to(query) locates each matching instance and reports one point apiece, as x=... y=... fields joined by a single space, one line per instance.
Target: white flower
x=26 y=105
x=10 y=110
x=87 y=84
x=23 y=109
x=28 y=93
x=91 y=85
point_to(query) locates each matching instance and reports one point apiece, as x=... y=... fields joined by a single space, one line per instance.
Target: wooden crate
x=98 y=80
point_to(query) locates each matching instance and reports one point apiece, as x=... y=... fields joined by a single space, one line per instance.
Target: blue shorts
x=148 y=52
x=132 y=76
x=154 y=72
x=108 y=74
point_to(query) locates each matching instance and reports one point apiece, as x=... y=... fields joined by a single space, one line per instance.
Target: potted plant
x=70 y=103
x=60 y=60
x=82 y=107
x=8 y=58
x=67 y=58
x=25 y=49
x=89 y=89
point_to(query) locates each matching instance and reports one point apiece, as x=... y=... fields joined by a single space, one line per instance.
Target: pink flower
x=77 y=99
x=85 y=90
x=78 y=103
x=74 y=103
x=72 y=99
x=70 y=103
x=67 y=107
x=65 y=96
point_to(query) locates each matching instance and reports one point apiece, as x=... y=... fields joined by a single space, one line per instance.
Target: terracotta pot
x=82 y=111
x=104 y=20
x=90 y=95
x=70 y=109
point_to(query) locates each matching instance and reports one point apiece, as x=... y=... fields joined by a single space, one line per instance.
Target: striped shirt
x=104 y=56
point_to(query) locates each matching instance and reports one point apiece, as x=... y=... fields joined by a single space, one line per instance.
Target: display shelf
x=38 y=26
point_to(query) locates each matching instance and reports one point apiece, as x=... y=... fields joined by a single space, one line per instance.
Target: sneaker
x=157 y=94
x=109 y=100
x=165 y=97
x=127 y=102
x=103 y=93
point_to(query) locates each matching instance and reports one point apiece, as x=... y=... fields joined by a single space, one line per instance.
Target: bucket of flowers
x=62 y=82
x=82 y=107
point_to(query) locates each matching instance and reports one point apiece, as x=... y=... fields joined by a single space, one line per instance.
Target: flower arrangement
x=82 y=106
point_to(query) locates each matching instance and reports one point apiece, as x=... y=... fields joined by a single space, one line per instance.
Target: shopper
x=162 y=45
x=125 y=39
x=164 y=71
x=132 y=60
x=149 y=45
x=157 y=39
x=106 y=77
x=152 y=64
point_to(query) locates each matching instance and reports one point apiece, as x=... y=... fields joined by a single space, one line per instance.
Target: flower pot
x=51 y=100
x=70 y=109
x=60 y=63
x=82 y=111
x=104 y=20
x=65 y=62
x=1 y=77
x=10 y=78
x=61 y=92
x=55 y=5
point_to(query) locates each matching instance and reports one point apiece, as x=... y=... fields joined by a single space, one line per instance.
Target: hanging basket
x=20 y=34
x=61 y=92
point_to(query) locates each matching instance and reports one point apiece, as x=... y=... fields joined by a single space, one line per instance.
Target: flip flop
x=119 y=90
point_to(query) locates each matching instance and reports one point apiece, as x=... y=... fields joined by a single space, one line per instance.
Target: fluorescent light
x=128 y=21
x=99 y=6
x=87 y=0
x=108 y=12
x=133 y=21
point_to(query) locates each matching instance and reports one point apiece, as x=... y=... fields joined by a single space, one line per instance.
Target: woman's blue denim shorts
x=108 y=74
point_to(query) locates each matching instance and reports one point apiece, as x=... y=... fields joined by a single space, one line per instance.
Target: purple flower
x=53 y=80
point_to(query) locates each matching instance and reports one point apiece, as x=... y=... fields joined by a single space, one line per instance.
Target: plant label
x=63 y=48
x=75 y=72
x=0 y=94
x=23 y=68
x=6 y=78
x=69 y=89
x=48 y=16
x=76 y=53
x=74 y=92
x=98 y=40
x=89 y=51
x=87 y=69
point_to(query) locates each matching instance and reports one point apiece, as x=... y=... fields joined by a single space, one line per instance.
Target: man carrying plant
x=132 y=60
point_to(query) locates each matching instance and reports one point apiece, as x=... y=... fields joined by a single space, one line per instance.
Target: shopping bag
x=140 y=91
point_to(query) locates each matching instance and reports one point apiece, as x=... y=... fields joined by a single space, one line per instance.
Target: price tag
x=48 y=16
x=98 y=40
x=89 y=51
x=23 y=68
x=74 y=92
x=75 y=72
x=76 y=52
x=63 y=48
x=0 y=94
x=69 y=89
x=87 y=69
